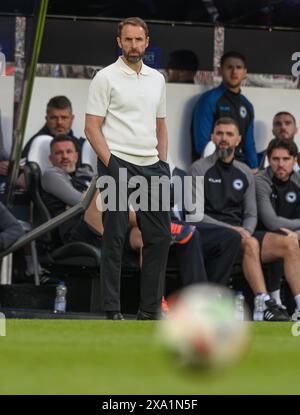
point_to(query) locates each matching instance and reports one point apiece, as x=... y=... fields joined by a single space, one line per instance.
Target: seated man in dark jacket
x=229 y=201
x=278 y=203
x=59 y=119
x=64 y=185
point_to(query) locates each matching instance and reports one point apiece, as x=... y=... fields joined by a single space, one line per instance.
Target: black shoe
x=284 y=310
x=114 y=315
x=274 y=312
x=145 y=315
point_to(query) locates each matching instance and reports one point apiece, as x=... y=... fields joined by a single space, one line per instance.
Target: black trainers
x=284 y=310
x=145 y=315
x=114 y=315
x=274 y=312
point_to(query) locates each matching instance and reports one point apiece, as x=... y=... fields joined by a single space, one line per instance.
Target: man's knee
x=290 y=245
x=281 y=245
x=250 y=246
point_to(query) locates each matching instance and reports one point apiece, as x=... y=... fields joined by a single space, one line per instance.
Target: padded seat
x=77 y=254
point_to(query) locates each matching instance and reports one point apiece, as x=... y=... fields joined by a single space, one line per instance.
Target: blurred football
x=202 y=329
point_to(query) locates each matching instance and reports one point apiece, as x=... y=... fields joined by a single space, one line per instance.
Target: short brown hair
x=60 y=102
x=284 y=113
x=289 y=145
x=227 y=121
x=233 y=54
x=63 y=137
x=134 y=21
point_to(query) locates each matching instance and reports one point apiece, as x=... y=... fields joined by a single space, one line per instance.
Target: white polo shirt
x=130 y=103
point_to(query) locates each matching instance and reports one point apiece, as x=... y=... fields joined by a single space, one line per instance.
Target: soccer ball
x=201 y=328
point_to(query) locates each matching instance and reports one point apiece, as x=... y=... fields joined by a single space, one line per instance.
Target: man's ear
x=238 y=140
x=119 y=42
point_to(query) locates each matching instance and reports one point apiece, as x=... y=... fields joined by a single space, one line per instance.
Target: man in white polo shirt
x=125 y=124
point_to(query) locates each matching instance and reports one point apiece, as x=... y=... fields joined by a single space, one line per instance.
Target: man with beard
x=229 y=201
x=59 y=119
x=278 y=203
x=63 y=185
x=125 y=124
x=285 y=128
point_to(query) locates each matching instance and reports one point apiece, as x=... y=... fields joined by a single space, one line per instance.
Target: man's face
x=282 y=163
x=226 y=137
x=284 y=127
x=133 y=42
x=64 y=156
x=59 y=121
x=233 y=72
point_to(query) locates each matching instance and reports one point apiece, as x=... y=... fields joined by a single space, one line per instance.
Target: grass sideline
x=104 y=357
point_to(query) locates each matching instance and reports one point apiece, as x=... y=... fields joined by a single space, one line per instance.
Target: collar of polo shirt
x=125 y=68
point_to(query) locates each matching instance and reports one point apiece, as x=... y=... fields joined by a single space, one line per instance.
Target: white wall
x=267 y=102
x=6 y=110
x=181 y=99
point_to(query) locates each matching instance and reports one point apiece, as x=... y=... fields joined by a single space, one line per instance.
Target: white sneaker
x=296 y=315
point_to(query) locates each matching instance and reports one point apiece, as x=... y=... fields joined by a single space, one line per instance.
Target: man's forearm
x=57 y=184
x=162 y=138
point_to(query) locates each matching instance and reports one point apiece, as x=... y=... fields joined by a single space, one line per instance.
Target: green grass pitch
x=102 y=357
